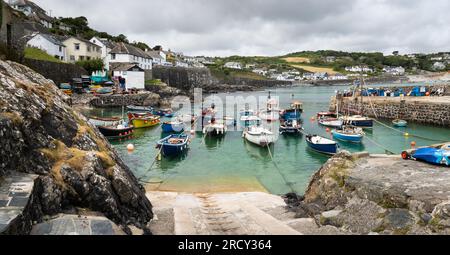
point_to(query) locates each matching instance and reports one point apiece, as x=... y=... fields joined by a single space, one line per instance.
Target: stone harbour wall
x=427 y=112
x=143 y=99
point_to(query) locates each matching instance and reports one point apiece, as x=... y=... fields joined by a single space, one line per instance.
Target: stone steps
x=15 y=194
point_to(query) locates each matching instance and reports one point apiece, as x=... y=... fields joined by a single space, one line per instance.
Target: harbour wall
x=109 y=101
x=420 y=110
x=58 y=72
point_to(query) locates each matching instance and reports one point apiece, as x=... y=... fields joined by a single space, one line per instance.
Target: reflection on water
x=230 y=163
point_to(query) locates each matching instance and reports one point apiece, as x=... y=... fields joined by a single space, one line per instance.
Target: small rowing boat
x=349 y=134
x=321 y=144
x=400 y=123
x=174 y=145
x=98 y=121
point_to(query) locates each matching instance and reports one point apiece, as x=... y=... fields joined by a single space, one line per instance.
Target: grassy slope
x=34 y=53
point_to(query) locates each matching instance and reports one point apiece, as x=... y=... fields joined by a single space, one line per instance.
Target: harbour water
x=231 y=164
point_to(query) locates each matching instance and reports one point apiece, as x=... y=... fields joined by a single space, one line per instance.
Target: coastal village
x=91 y=143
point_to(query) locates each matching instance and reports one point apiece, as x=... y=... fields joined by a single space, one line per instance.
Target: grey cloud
x=270 y=27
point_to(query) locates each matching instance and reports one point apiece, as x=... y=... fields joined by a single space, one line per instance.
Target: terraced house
x=80 y=49
x=126 y=53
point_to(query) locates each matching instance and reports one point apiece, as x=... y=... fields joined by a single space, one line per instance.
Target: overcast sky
x=269 y=27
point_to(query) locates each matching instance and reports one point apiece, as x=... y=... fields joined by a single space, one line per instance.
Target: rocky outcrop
x=363 y=194
x=77 y=168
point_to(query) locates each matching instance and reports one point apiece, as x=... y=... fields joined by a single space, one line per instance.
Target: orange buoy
x=313 y=119
x=413 y=144
x=130 y=147
x=328 y=130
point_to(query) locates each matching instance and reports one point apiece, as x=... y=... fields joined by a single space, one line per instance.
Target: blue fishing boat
x=439 y=155
x=294 y=112
x=358 y=121
x=321 y=144
x=349 y=134
x=400 y=123
x=174 y=145
x=173 y=126
x=164 y=113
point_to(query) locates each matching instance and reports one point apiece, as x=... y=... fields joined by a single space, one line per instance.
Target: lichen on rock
x=77 y=168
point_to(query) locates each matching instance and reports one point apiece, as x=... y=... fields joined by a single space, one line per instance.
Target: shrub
x=91 y=65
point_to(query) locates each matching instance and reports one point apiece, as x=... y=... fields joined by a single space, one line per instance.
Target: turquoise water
x=230 y=164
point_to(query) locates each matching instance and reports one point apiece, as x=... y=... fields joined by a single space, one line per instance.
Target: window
x=89 y=48
x=77 y=46
x=60 y=49
x=88 y=58
x=72 y=58
x=113 y=56
x=81 y=58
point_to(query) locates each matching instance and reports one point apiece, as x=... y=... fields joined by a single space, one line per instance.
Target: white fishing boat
x=272 y=112
x=331 y=122
x=215 y=128
x=259 y=135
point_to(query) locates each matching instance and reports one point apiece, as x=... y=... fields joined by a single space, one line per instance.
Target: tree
x=121 y=38
x=91 y=65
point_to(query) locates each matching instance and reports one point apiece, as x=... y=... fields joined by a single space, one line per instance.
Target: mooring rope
x=279 y=170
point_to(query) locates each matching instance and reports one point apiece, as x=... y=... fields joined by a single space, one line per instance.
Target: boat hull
x=433 y=156
x=400 y=123
x=360 y=123
x=357 y=138
x=172 y=150
x=112 y=133
x=145 y=123
x=331 y=123
x=260 y=140
x=329 y=149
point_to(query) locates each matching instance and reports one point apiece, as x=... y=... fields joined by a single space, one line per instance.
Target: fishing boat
x=436 y=155
x=174 y=145
x=139 y=109
x=216 y=128
x=400 y=123
x=164 y=113
x=358 y=121
x=259 y=135
x=294 y=112
x=349 y=134
x=291 y=127
x=97 y=121
x=271 y=113
x=321 y=144
x=116 y=132
x=331 y=122
x=188 y=118
x=173 y=126
x=144 y=121
x=137 y=115
x=324 y=115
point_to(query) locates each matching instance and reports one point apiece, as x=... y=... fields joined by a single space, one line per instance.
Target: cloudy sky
x=269 y=27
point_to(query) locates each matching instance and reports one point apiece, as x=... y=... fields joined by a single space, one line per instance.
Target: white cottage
x=49 y=44
x=126 y=53
x=133 y=74
x=106 y=47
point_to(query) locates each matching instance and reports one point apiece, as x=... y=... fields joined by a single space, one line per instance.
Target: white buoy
x=130 y=147
x=192 y=132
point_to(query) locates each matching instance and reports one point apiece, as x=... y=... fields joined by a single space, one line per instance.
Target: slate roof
x=153 y=54
x=123 y=66
x=123 y=48
x=53 y=39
